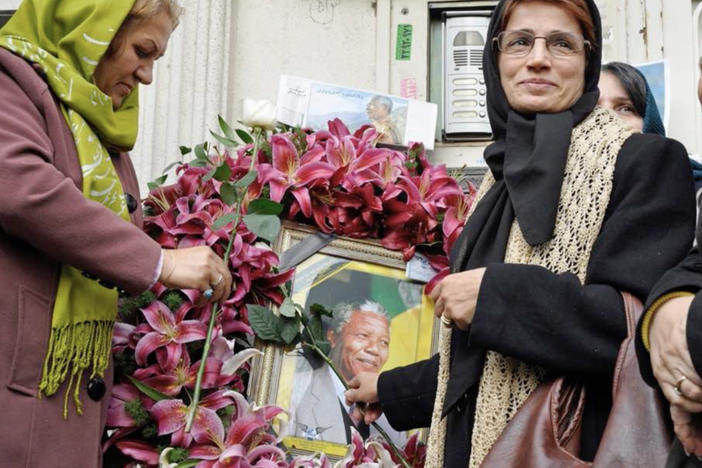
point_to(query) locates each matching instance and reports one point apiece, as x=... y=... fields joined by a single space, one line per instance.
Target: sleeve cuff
x=157 y=272
x=651 y=311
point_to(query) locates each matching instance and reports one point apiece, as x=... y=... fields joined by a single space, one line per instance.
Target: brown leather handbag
x=545 y=432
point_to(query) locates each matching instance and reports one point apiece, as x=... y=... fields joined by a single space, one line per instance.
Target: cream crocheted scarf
x=506 y=382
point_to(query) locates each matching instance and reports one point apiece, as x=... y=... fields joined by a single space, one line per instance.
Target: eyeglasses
x=559 y=44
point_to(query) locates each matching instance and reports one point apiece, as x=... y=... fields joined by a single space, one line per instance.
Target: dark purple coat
x=45 y=220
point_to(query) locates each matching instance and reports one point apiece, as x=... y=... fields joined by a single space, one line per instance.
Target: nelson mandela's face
x=363 y=344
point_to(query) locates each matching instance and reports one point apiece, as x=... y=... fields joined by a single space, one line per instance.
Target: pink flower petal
x=169 y=415
x=158 y=316
x=140 y=451
x=147 y=344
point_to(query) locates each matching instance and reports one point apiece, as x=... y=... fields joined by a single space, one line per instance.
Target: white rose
x=258 y=114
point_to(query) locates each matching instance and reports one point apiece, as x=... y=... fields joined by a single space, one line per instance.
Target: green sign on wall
x=403 y=47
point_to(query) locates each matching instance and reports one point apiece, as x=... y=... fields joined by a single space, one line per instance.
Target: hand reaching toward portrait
x=670 y=356
x=456 y=296
x=363 y=388
x=196 y=268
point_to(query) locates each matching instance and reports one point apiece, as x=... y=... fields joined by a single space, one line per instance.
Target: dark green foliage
x=137 y=412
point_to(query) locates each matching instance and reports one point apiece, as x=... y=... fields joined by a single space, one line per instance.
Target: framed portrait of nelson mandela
x=381 y=320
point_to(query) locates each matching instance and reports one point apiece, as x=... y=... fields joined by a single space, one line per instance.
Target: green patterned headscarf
x=66 y=39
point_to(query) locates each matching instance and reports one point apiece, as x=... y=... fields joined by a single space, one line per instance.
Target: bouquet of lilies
x=181 y=363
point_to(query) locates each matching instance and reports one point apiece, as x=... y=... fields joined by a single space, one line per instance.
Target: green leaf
x=289 y=330
x=227 y=193
x=324 y=346
x=226 y=129
x=188 y=463
x=148 y=391
x=223 y=221
x=245 y=181
x=264 y=226
x=199 y=162
x=319 y=310
x=314 y=328
x=245 y=137
x=223 y=173
x=201 y=152
x=184 y=150
x=265 y=207
x=224 y=140
x=168 y=168
x=157 y=182
x=266 y=325
x=287 y=308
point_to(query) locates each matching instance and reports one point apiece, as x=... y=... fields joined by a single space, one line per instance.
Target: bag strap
x=633 y=308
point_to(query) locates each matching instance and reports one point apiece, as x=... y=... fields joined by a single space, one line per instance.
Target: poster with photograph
x=658 y=77
x=307 y=103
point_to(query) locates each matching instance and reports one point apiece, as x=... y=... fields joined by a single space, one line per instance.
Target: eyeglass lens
x=521 y=43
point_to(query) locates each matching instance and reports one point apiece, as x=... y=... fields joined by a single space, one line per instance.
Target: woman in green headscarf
x=70 y=234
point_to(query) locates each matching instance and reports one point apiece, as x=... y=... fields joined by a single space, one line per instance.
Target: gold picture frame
x=345 y=271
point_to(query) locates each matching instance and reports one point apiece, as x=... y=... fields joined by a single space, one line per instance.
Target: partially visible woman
x=574 y=209
x=625 y=90
x=669 y=348
x=70 y=218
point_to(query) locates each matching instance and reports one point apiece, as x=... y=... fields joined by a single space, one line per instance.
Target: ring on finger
x=445 y=320
x=676 y=387
x=208 y=293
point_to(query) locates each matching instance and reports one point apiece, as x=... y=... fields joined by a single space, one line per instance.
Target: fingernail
x=686 y=452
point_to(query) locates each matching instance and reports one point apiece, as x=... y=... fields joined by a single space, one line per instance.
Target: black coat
x=539 y=317
x=686 y=276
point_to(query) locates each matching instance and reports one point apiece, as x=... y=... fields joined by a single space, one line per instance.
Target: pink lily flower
x=122 y=337
x=386 y=174
x=117 y=415
x=288 y=170
x=322 y=198
x=190 y=180
x=414 y=451
x=371 y=454
x=183 y=375
x=166 y=330
x=458 y=207
x=318 y=460
x=246 y=443
x=407 y=224
x=430 y=189
x=357 y=213
x=170 y=416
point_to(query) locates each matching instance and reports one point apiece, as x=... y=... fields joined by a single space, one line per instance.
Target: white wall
x=637 y=31
x=325 y=40
x=9 y=4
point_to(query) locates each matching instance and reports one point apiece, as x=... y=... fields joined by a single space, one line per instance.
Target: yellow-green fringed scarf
x=66 y=39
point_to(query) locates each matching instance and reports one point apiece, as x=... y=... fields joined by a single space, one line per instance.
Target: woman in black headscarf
x=624 y=90
x=573 y=210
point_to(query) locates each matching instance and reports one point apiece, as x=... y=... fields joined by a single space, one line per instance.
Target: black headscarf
x=527 y=160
